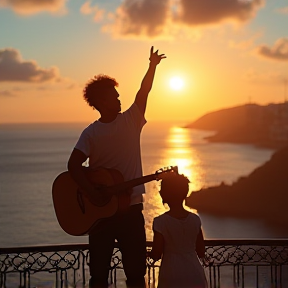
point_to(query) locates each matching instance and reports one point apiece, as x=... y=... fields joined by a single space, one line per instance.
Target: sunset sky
x=225 y=52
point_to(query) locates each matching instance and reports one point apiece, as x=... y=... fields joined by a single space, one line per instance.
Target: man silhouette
x=113 y=141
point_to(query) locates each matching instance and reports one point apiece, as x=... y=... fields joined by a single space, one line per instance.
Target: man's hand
x=154 y=57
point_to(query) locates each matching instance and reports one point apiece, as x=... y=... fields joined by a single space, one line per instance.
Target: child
x=178 y=238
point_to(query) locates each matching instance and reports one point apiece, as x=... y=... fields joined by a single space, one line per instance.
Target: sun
x=176 y=83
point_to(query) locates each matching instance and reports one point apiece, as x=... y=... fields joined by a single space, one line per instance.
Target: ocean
x=32 y=155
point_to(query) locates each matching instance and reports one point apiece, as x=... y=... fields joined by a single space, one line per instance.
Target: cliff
x=262 y=194
x=265 y=126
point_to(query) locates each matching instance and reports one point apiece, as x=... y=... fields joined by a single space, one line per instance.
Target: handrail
x=84 y=246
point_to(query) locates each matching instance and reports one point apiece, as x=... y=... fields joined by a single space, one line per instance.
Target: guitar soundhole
x=101 y=196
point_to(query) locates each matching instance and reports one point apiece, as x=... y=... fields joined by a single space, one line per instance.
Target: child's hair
x=97 y=86
x=174 y=187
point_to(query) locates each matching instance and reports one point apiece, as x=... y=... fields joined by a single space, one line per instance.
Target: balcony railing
x=228 y=263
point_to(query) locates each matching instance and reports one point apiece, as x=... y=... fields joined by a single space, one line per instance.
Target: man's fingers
x=161 y=56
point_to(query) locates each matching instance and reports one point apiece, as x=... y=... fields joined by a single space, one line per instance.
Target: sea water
x=32 y=155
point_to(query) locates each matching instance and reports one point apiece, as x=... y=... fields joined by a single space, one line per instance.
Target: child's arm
x=157 y=246
x=200 y=246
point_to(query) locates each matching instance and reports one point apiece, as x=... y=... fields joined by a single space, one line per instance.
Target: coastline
x=263 y=194
x=269 y=144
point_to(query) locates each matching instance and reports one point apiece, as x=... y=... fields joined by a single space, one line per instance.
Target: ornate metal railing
x=228 y=263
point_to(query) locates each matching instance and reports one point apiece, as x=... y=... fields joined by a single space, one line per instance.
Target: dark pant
x=129 y=230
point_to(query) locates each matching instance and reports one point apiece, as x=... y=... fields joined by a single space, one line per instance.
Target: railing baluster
x=257 y=276
x=57 y=278
x=218 y=276
x=275 y=273
x=81 y=259
x=238 y=275
x=29 y=284
x=271 y=275
x=210 y=276
x=214 y=273
x=280 y=275
x=242 y=275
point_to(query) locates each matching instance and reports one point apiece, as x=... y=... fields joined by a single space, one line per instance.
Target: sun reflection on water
x=177 y=150
x=181 y=153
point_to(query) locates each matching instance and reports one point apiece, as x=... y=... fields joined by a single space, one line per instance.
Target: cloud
x=87 y=9
x=28 y=7
x=278 y=52
x=217 y=11
x=14 y=68
x=155 y=18
x=144 y=17
x=283 y=10
x=6 y=93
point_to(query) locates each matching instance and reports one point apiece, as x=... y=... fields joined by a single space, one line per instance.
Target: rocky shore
x=262 y=194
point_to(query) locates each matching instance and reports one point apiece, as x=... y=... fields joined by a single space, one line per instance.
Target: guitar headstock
x=162 y=171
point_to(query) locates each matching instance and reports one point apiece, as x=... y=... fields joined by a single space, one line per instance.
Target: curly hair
x=174 y=186
x=97 y=86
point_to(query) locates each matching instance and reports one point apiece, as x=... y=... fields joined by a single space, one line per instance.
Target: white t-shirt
x=116 y=145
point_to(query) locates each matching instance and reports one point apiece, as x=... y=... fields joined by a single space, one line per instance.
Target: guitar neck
x=134 y=182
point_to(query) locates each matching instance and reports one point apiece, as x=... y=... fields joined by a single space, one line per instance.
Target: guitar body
x=77 y=215
x=74 y=211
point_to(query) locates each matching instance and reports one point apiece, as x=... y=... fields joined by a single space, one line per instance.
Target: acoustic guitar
x=77 y=215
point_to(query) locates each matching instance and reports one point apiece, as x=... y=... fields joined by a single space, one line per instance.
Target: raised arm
x=146 y=84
